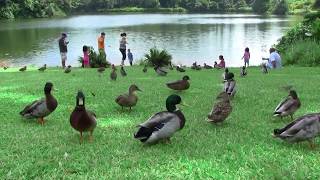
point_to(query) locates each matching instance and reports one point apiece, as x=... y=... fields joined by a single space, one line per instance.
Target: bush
x=97 y=59
x=158 y=58
x=302 y=53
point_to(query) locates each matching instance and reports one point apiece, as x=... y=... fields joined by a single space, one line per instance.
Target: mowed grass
x=242 y=148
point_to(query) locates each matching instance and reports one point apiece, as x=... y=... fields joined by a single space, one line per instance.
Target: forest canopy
x=49 y=8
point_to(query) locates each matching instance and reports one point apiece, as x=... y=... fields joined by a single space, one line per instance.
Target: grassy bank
x=242 y=148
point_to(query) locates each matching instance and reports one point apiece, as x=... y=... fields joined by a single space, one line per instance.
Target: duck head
x=172 y=101
x=243 y=67
x=293 y=94
x=47 y=88
x=133 y=88
x=113 y=67
x=186 y=78
x=230 y=76
x=226 y=70
x=80 y=99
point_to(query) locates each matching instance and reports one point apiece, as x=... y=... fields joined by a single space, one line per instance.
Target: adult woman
x=123 y=46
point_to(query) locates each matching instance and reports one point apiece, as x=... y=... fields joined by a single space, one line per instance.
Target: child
x=246 y=57
x=130 y=57
x=222 y=63
x=86 y=62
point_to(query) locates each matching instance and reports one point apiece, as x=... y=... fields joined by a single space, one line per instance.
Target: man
x=63 y=49
x=275 y=59
x=101 y=44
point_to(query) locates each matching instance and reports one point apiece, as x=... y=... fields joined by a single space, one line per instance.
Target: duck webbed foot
x=41 y=121
x=312 y=144
x=167 y=141
x=91 y=137
x=81 y=138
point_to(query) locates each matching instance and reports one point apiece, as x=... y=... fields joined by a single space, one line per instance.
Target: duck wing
x=36 y=109
x=159 y=126
x=304 y=127
x=286 y=105
x=123 y=99
x=220 y=112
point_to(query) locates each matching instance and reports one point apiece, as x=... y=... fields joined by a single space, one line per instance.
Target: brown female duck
x=221 y=109
x=180 y=84
x=128 y=100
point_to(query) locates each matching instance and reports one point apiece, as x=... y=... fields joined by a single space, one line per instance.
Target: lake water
x=188 y=37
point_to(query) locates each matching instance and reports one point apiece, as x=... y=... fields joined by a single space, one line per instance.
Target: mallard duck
x=24 y=68
x=145 y=69
x=264 y=68
x=243 y=71
x=206 y=66
x=5 y=67
x=128 y=100
x=101 y=69
x=162 y=125
x=180 y=84
x=195 y=66
x=68 y=69
x=288 y=106
x=305 y=128
x=113 y=74
x=82 y=119
x=180 y=69
x=43 y=68
x=221 y=109
x=224 y=75
x=160 y=71
x=230 y=85
x=122 y=71
x=41 y=108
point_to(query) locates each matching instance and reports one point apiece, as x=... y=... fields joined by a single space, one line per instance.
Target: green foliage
x=158 y=58
x=280 y=7
x=302 y=53
x=300 y=45
x=260 y=6
x=97 y=59
x=316 y=4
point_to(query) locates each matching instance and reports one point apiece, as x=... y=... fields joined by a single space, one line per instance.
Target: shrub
x=260 y=6
x=97 y=59
x=158 y=58
x=302 y=53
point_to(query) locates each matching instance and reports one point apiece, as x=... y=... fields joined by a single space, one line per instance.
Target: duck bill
x=139 y=90
x=184 y=104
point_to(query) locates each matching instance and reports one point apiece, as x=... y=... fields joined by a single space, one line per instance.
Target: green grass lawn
x=242 y=148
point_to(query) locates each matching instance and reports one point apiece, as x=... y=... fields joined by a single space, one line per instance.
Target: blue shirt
x=130 y=56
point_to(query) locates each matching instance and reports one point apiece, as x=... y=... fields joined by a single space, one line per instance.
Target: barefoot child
x=130 y=57
x=246 y=57
x=86 y=61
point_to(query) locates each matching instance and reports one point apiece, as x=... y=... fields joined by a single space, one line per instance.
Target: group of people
x=63 y=47
x=274 y=61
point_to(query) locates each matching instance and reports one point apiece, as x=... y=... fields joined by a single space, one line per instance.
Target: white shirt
x=275 y=57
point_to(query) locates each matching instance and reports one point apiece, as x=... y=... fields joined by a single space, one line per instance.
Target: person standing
x=246 y=57
x=123 y=47
x=101 y=47
x=63 y=46
x=275 y=59
x=130 y=57
x=86 y=58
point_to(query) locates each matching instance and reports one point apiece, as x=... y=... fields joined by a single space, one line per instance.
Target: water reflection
x=188 y=37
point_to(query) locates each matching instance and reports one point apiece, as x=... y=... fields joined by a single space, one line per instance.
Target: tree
x=260 y=6
x=317 y=4
x=281 y=7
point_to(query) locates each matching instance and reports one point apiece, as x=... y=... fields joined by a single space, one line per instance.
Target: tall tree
x=260 y=6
